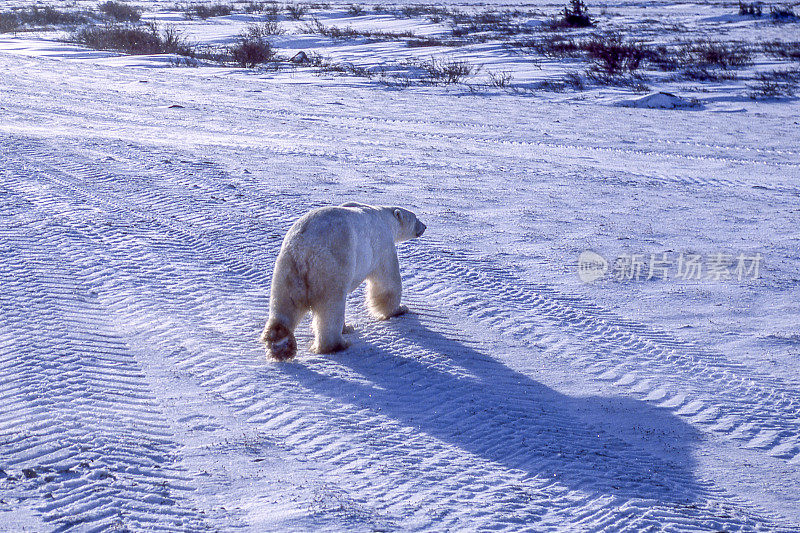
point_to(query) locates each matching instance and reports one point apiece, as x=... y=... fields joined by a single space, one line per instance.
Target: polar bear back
x=340 y=246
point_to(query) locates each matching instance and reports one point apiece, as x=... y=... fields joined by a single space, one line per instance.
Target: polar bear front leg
x=384 y=289
x=328 y=325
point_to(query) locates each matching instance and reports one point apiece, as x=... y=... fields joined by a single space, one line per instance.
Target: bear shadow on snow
x=603 y=445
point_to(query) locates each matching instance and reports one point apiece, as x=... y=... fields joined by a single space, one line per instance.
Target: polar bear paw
x=401 y=310
x=331 y=347
x=280 y=342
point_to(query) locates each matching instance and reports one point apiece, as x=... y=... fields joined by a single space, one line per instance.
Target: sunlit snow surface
x=143 y=205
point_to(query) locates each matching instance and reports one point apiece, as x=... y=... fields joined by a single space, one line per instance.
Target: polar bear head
x=409 y=227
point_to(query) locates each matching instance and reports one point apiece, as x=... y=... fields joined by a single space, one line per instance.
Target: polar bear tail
x=280 y=341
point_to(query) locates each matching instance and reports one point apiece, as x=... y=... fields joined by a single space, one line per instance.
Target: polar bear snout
x=419 y=229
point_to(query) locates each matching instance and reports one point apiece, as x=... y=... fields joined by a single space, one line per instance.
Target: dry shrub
x=251 y=51
x=133 y=40
x=783 y=50
x=204 y=11
x=774 y=84
x=119 y=11
x=612 y=55
x=709 y=53
x=296 y=11
x=355 y=10
x=446 y=71
x=263 y=29
x=556 y=46
x=38 y=16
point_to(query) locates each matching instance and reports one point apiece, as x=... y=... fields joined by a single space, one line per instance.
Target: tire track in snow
x=554 y=150
x=763 y=415
x=784 y=443
x=718 y=396
x=79 y=427
x=428 y=125
x=304 y=404
x=368 y=138
x=428 y=129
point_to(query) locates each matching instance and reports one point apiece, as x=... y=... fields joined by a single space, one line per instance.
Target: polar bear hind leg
x=278 y=334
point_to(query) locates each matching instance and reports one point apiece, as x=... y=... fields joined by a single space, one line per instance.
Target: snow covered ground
x=143 y=207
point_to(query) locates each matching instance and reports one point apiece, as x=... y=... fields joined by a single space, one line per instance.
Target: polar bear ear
x=398 y=214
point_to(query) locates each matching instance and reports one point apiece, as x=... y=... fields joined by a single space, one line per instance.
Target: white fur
x=327 y=254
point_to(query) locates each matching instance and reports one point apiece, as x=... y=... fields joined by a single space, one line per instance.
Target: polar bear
x=325 y=255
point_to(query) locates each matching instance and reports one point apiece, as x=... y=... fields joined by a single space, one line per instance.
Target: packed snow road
x=142 y=212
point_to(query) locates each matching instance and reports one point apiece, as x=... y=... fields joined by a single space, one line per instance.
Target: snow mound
x=659 y=100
